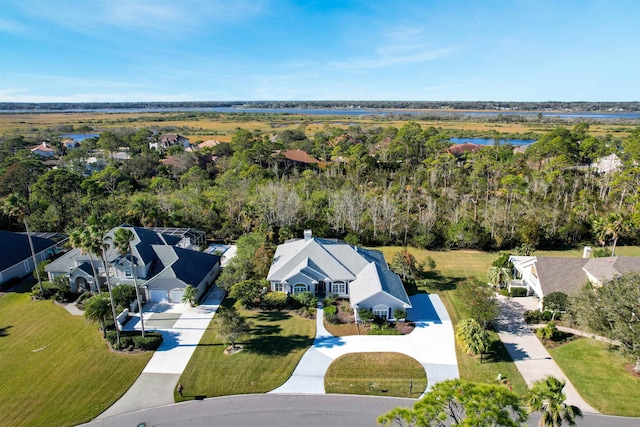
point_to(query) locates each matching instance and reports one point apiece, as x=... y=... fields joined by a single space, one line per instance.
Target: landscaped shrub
x=123 y=295
x=546 y=315
x=399 y=313
x=504 y=292
x=303 y=299
x=81 y=300
x=549 y=332
x=151 y=341
x=134 y=340
x=330 y=299
x=532 y=316
x=518 y=292
x=331 y=313
x=345 y=307
x=379 y=322
x=383 y=331
x=365 y=315
x=49 y=290
x=274 y=300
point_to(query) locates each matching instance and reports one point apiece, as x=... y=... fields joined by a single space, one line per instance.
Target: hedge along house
x=16 y=260
x=164 y=265
x=325 y=266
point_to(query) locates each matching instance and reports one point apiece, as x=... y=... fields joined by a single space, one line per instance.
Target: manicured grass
x=55 y=368
x=600 y=376
x=377 y=374
x=271 y=352
x=495 y=361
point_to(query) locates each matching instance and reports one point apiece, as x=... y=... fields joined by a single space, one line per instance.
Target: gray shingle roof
x=318 y=259
x=188 y=266
x=561 y=274
x=14 y=247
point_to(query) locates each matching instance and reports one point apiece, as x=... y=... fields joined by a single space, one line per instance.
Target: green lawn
x=377 y=374
x=600 y=376
x=277 y=342
x=55 y=368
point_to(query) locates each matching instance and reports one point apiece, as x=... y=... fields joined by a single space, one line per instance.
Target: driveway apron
x=531 y=358
x=155 y=386
x=431 y=343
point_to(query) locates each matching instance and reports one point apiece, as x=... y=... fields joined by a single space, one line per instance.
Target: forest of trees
x=374 y=185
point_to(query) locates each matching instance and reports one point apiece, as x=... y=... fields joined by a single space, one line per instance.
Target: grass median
x=56 y=368
x=376 y=374
x=270 y=354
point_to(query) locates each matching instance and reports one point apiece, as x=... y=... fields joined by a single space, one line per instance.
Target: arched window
x=381 y=311
x=299 y=288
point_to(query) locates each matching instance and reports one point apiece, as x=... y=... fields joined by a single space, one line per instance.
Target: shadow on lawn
x=3 y=331
x=498 y=353
x=434 y=280
x=276 y=345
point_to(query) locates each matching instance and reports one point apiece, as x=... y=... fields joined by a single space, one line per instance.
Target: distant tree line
x=453 y=105
x=375 y=185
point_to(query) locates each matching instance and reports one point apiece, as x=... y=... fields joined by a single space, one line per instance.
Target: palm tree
x=189 y=295
x=473 y=337
x=122 y=241
x=17 y=206
x=97 y=238
x=81 y=239
x=613 y=225
x=498 y=276
x=546 y=396
x=97 y=309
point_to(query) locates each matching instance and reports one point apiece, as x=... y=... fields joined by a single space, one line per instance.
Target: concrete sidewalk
x=431 y=343
x=155 y=386
x=529 y=355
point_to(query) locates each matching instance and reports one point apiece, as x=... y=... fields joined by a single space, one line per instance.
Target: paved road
x=155 y=385
x=281 y=410
x=529 y=355
x=431 y=343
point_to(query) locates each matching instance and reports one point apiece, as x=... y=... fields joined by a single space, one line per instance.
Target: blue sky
x=220 y=50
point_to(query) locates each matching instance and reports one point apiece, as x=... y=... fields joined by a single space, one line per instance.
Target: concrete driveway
x=182 y=328
x=431 y=343
x=529 y=355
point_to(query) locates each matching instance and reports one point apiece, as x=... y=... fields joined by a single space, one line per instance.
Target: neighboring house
x=299 y=157
x=70 y=144
x=460 y=149
x=44 y=149
x=326 y=266
x=210 y=143
x=169 y=140
x=15 y=253
x=164 y=265
x=542 y=275
x=608 y=164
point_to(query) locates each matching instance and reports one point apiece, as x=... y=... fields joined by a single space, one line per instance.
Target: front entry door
x=320 y=288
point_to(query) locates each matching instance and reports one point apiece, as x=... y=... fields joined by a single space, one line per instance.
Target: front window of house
x=381 y=311
x=278 y=287
x=127 y=272
x=339 y=288
x=299 y=288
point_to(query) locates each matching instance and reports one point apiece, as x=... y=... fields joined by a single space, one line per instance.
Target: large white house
x=542 y=275
x=164 y=264
x=325 y=266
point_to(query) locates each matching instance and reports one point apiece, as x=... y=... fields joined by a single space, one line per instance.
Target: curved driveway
x=431 y=343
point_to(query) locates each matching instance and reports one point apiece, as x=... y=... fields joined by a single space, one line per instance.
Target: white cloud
x=388 y=57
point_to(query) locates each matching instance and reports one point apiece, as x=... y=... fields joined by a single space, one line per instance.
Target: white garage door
x=176 y=295
x=158 y=295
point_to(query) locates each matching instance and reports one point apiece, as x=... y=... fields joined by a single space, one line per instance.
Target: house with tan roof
x=542 y=275
x=44 y=149
x=324 y=266
x=460 y=149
